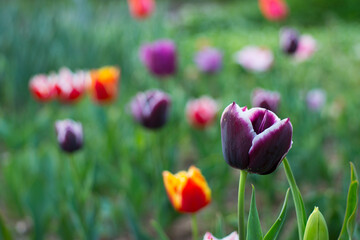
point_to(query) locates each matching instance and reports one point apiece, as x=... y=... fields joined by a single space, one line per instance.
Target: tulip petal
x=270 y=147
x=261 y=119
x=237 y=134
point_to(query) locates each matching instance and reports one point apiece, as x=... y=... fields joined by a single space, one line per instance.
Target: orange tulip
x=141 y=8
x=187 y=191
x=273 y=10
x=104 y=84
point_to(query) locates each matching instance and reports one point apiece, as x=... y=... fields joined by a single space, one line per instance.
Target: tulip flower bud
x=232 y=236
x=201 y=112
x=266 y=99
x=104 y=84
x=316 y=99
x=289 y=40
x=273 y=10
x=42 y=88
x=159 y=57
x=316 y=227
x=187 y=191
x=69 y=135
x=151 y=108
x=209 y=60
x=69 y=86
x=255 y=59
x=141 y=8
x=255 y=140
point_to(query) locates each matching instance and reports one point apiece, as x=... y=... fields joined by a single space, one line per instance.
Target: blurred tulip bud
x=208 y=60
x=42 y=88
x=316 y=99
x=254 y=58
x=232 y=236
x=255 y=140
x=70 y=86
x=306 y=48
x=289 y=40
x=141 y=9
x=201 y=112
x=69 y=135
x=151 y=108
x=316 y=227
x=273 y=10
x=187 y=191
x=266 y=99
x=104 y=84
x=160 y=57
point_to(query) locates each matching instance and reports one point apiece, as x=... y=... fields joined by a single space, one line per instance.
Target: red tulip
x=70 y=86
x=273 y=10
x=141 y=9
x=201 y=112
x=42 y=88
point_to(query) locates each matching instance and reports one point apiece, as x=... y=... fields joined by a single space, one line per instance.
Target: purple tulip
x=159 y=57
x=266 y=99
x=289 y=40
x=151 y=108
x=316 y=99
x=255 y=140
x=209 y=60
x=69 y=135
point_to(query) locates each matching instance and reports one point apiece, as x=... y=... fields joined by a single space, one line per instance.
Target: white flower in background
x=256 y=59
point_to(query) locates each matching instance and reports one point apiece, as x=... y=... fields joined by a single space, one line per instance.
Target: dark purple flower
x=208 y=60
x=160 y=57
x=151 y=108
x=266 y=99
x=255 y=140
x=69 y=135
x=289 y=40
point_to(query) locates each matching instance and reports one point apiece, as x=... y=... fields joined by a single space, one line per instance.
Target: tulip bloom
x=273 y=10
x=141 y=9
x=151 y=108
x=187 y=191
x=307 y=47
x=316 y=99
x=232 y=236
x=209 y=60
x=159 y=57
x=70 y=86
x=201 y=112
x=266 y=99
x=42 y=88
x=289 y=40
x=254 y=140
x=254 y=58
x=104 y=84
x=69 y=135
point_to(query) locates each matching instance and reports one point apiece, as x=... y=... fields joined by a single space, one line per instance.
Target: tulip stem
x=194 y=227
x=241 y=204
x=297 y=198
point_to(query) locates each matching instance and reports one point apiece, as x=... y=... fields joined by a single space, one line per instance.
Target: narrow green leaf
x=276 y=227
x=316 y=227
x=347 y=229
x=161 y=233
x=5 y=234
x=253 y=227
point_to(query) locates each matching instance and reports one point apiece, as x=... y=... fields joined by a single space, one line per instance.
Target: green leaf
x=316 y=227
x=159 y=230
x=4 y=232
x=276 y=227
x=253 y=227
x=347 y=229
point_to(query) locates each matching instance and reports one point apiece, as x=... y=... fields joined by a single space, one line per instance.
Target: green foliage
x=253 y=226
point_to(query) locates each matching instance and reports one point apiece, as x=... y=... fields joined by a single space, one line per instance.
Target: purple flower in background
x=316 y=99
x=208 y=60
x=151 y=108
x=289 y=40
x=255 y=140
x=266 y=99
x=160 y=57
x=69 y=135
x=306 y=48
x=256 y=59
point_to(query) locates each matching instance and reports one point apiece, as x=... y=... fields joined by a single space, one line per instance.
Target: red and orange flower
x=104 y=84
x=187 y=191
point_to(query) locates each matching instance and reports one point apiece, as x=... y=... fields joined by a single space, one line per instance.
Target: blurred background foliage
x=118 y=188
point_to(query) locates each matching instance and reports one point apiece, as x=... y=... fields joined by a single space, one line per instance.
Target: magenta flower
x=159 y=57
x=69 y=135
x=255 y=140
x=208 y=60
x=306 y=48
x=266 y=99
x=256 y=59
x=232 y=236
x=316 y=99
x=289 y=40
x=151 y=108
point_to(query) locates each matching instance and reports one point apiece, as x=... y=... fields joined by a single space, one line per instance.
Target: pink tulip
x=232 y=236
x=201 y=112
x=141 y=9
x=306 y=48
x=273 y=10
x=256 y=59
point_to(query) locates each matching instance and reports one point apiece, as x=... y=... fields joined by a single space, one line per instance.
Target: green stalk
x=241 y=204
x=194 y=227
x=298 y=201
